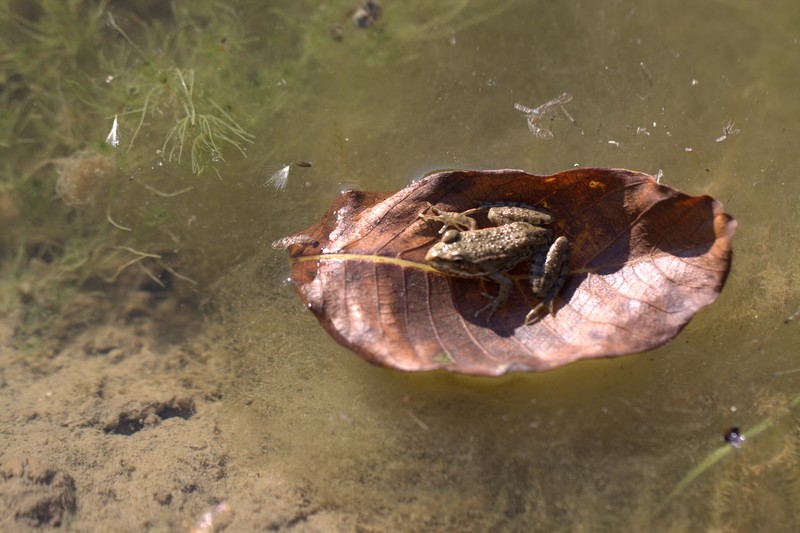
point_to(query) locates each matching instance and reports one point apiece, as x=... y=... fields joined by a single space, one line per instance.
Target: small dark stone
x=734 y=437
x=163 y=497
x=366 y=15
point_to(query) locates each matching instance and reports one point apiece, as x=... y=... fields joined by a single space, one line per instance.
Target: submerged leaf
x=645 y=258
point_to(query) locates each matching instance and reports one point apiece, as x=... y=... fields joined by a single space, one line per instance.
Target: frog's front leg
x=449 y=219
x=502 y=295
x=548 y=273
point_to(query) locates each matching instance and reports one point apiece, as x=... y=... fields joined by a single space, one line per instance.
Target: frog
x=519 y=233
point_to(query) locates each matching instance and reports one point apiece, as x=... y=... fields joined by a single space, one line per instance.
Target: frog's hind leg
x=548 y=273
x=506 y=214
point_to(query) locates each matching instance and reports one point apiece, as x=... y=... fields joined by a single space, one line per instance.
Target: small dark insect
x=734 y=437
x=304 y=164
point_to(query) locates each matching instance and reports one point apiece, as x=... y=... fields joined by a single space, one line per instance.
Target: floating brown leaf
x=645 y=258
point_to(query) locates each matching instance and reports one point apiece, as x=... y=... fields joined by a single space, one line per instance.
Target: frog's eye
x=450 y=235
x=458 y=260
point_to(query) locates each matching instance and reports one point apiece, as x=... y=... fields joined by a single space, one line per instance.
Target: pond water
x=703 y=92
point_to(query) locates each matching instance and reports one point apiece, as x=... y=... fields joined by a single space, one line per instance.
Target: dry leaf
x=645 y=258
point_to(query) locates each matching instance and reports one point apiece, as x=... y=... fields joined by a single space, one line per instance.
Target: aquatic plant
x=205 y=132
x=69 y=69
x=754 y=457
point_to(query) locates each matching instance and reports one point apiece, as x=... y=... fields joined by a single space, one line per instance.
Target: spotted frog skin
x=517 y=235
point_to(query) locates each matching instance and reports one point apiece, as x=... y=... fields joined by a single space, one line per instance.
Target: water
x=595 y=446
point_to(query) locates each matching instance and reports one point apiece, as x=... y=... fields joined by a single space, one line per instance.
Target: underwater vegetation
x=735 y=474
x=111 y=112
x=94 y=95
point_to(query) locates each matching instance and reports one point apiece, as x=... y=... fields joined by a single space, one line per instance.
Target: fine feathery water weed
x=206 y=132
x=203 y=131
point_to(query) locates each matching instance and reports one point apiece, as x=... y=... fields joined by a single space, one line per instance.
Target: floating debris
x=280 y=177
x=645 y=73
x=113 y=136
x=536 y=115
x=727 y=130
x=286 y=242
x=792 y=316
x=785 y=372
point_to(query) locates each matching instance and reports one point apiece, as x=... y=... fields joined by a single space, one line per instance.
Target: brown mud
x=113 y=419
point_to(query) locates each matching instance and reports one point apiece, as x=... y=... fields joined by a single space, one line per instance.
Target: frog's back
x=490 y=250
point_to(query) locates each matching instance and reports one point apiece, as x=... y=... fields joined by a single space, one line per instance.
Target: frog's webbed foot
x=490 y=306
x=502 y=295
x=548 y=274
x=536 y=314
x=542 y=308
x=449 y=219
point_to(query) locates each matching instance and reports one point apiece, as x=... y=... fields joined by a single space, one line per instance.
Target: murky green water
x=595 y=446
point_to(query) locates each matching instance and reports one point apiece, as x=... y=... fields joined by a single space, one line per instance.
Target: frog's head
x=451 y=256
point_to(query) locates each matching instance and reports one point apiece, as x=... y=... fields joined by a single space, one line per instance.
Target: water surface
x=597 y=445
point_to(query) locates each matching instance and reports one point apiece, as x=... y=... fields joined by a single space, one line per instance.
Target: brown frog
x=517 y=235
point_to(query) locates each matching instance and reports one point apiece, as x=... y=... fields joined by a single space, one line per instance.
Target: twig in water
x=165 y=194
x=139 y=257
x=111 y=221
